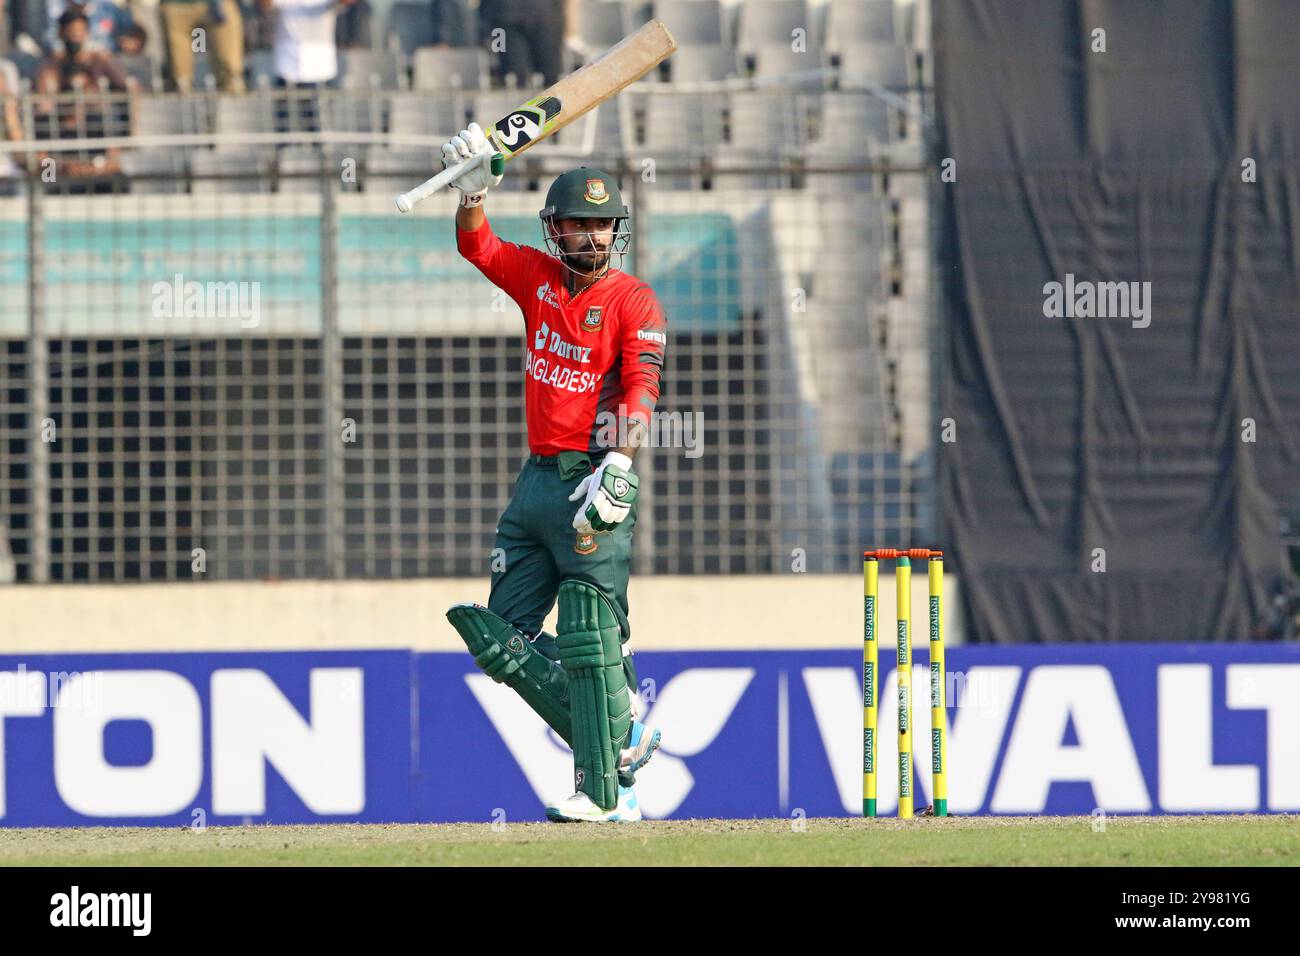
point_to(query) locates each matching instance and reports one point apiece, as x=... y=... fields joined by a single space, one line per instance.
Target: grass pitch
x=954 y=841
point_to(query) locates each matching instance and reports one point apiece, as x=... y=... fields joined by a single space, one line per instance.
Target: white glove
x=606 y=494
x=467 y=144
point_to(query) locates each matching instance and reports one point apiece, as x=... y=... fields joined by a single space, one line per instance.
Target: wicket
x=870 y=678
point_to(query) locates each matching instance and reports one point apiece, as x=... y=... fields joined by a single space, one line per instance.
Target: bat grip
x=407 y=200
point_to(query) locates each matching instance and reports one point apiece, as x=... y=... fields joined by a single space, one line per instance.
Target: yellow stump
x=871 y=586
x=903 y=578
x=938 y=723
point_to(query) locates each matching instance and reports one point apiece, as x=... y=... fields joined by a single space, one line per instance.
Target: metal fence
x=236 y=360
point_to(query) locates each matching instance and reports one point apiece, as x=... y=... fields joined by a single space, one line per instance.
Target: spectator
x=534 y=35
x=305 y=55
x=87 y=169
x=450 y=23
x=132 y=40
x=352 y=32
x=223 y=27
x=27 y=19
x=13 y=127
x=105 y=18
x=259 y=27
x=55 y=73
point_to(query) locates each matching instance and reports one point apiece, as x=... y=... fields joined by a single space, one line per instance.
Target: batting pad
x=590 y=646
x=508 y=658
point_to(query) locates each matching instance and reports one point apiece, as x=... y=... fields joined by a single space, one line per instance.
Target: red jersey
x=591 y=358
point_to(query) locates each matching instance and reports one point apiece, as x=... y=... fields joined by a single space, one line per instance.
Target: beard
x=587 y=260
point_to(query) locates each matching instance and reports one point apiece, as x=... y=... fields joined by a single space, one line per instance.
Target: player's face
x=585 y=242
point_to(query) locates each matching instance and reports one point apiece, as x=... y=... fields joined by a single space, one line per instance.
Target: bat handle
x=406 y=201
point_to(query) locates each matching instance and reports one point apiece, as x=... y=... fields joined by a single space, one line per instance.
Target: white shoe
x=641 y=745
x=580 y=808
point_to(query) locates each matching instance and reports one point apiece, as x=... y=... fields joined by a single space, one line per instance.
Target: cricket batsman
x=595 y=340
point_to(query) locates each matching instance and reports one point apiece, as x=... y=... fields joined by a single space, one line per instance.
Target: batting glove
x=607 y=495
x=466 y=145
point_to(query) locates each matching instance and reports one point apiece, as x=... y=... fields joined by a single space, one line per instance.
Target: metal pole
x=644 y=547
x=331 y=375
x=39 y=392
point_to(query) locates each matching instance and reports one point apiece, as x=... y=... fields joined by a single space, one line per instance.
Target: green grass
x=1018 y=841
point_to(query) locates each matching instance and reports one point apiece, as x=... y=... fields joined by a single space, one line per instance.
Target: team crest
x=596 y=193
x=586 y=544
x=594 y=317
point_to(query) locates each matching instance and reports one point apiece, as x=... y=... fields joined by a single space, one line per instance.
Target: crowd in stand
x=45 y=42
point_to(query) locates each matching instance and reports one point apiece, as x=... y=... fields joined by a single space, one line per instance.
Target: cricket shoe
x=580 y=808
x=641 y=746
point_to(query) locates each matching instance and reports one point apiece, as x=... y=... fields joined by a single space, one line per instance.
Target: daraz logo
x=547 y=295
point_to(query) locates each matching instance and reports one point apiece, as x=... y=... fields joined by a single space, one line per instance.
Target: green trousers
x=538 y=548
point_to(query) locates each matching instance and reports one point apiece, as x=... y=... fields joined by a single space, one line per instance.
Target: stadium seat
x=247 y=172
x=854 y=121
x=600 y=24
x=882 y=63
x=854 y=128
x=796 y=70
x=758 y=121
x=764 y=129
x=417 y=114
x=858 y=21
x=392 y=171
x=692 y=21
x=764 y=22
x=169 y=114
x=450 y=68
x=680 y=128
x=696 y=63
x=236 y=114
x=142 y=68
x=160 y=171
x=352 y=112
x=366 y=69
x=410 y=26
x=299 y=168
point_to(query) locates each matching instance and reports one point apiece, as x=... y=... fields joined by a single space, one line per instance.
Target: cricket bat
x=559 y=105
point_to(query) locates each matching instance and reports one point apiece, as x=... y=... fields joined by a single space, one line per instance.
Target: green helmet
x=584 y=193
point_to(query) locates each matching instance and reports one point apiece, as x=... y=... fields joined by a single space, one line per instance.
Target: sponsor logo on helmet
x=586 y=543
x=594 y=318
x=596 y=192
